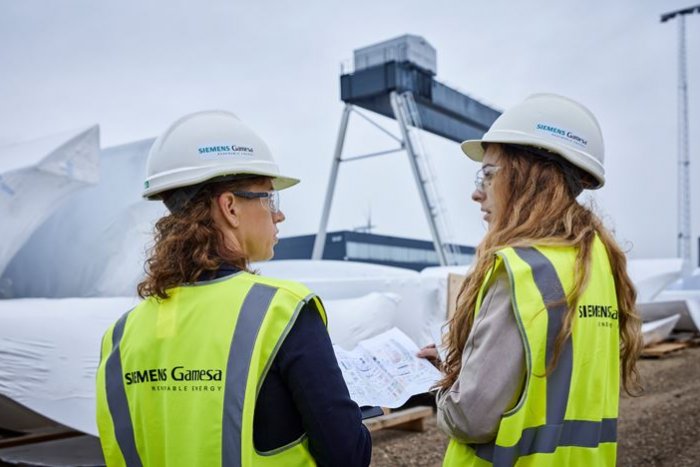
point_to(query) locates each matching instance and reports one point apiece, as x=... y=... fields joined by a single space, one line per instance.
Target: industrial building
x=346 y=245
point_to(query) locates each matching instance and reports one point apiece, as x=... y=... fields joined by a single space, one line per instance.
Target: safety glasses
x=269 y=199
x=484 y=176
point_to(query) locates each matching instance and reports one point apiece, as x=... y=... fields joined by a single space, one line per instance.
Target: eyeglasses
x=269 y=199
x=484 y=176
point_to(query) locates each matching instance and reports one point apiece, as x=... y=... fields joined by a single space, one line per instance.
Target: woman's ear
x=228 y=209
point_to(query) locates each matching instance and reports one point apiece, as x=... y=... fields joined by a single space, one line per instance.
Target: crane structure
x=396 y=79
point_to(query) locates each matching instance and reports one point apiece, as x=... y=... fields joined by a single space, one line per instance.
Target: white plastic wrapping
x=441 y=276
x=352 y=320
x=651 y=276
x=659 y=330
x=50 y=349
x=305 y=269
x=49 y=352
x=684 y=302
x=36 y=177
x=417 y=310
x=96 y=240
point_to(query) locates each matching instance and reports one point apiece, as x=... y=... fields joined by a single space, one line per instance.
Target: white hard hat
x=551 y=122
x=205 y=145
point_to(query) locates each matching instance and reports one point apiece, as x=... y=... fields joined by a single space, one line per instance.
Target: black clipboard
x=370 y=411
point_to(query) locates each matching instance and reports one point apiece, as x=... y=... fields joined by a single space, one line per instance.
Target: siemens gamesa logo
x=178 y=373
x=551 y=129
x=597 y=311
x=556 y=131
x=225 y=149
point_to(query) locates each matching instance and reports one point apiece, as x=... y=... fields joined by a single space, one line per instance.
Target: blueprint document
x=385 y=371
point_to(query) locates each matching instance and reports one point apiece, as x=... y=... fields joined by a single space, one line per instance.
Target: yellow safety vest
x=568 y=418
x=178 y=378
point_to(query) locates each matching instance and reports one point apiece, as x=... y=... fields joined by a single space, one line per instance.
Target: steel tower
x=684 y=212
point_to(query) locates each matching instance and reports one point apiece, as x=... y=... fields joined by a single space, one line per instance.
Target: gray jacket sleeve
x=492 y=374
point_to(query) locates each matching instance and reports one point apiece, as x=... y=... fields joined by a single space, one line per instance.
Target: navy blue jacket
x=304 y=392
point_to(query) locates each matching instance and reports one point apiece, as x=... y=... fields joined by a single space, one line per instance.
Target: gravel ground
x=659 y=428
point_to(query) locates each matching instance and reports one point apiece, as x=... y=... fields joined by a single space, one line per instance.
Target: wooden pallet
x=663 y=349
x=408 y=419
x=690 y=338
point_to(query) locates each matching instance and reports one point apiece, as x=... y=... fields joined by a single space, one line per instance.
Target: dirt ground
x=660 y=428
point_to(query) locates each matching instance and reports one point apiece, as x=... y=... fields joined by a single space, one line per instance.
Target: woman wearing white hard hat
x=546 y=322
x=218 y=365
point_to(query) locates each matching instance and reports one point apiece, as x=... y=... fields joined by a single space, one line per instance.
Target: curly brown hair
x=537 y=208
x=188 y=245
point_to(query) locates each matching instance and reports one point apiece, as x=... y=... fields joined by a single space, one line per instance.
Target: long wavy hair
x=188 y=245
x=535 y=205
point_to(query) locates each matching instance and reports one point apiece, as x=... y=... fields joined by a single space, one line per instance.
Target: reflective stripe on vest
x=555 y=431
x=267 y=310
x=546 y=439
x=252 y=313
x=116 y=398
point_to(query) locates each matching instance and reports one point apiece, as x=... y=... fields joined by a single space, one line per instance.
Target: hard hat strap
x=574 y=177
x=177 y=199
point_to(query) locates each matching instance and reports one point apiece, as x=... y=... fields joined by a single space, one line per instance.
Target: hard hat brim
x=473 y=149
x=282 y=183
x=169 y=181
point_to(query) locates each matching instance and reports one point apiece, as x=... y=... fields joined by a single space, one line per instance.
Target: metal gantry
x=396 y=79
x=408 y=119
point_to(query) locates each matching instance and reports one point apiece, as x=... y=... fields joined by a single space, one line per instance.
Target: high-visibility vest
x=178 y=378
x=569 y=417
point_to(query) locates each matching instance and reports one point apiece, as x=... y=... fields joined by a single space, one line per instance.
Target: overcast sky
x=135 y=66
